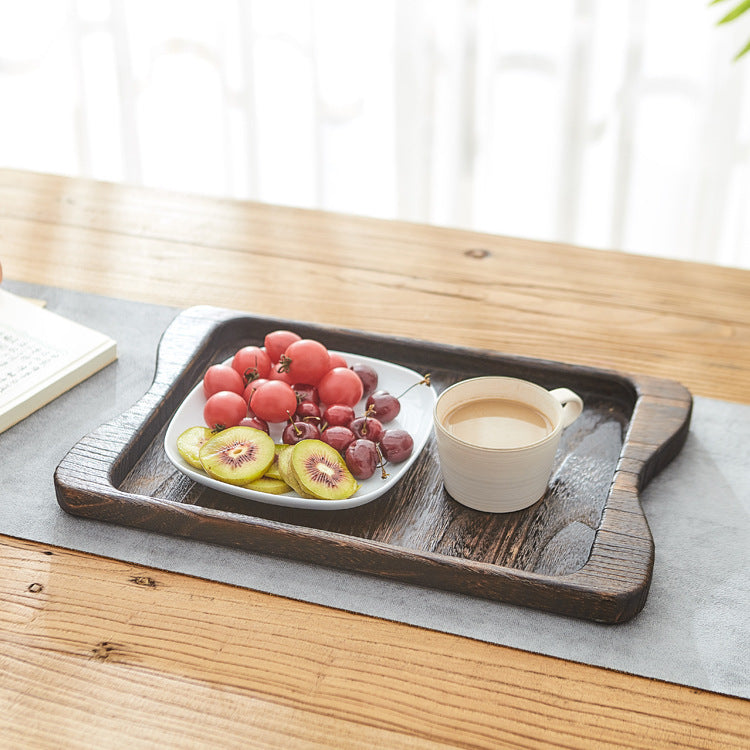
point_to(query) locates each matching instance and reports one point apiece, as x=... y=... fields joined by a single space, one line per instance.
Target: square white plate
x=415 y=417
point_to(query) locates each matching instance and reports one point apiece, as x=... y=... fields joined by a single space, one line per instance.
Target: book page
x=20 y=358
x=42 y=355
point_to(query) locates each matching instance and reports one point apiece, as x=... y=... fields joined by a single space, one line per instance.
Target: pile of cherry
x=299 y=382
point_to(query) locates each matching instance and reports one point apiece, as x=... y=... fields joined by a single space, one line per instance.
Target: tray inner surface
x=553 y=537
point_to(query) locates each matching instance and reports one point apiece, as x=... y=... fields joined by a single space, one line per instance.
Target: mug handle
x=572 y=404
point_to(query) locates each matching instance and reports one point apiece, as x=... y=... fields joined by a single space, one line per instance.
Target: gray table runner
x=693 y=630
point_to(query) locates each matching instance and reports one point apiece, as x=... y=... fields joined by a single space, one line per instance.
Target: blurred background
x=616 y=125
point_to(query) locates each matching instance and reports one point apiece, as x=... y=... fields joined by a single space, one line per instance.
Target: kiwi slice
x=270 y=485
x=284 y=465
x=189 y=444
x=237 y=455
x=321 y=470
x=273 y=469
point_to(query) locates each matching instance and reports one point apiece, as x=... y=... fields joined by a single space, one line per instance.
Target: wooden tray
x=585 y=550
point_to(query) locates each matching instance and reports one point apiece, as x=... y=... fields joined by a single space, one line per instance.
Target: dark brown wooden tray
x=585 y=550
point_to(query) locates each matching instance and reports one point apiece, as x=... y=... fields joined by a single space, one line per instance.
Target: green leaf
x=743 y=51
x=738 y=11
x=731 y=16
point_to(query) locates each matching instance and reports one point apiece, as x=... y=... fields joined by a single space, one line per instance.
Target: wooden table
x=100 y=653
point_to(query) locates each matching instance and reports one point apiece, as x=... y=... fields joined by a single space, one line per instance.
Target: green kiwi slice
x=269 y=485
x=273 y=469
x=189 y=444
x=284 y=465
x=237 y=455
x=321 y=470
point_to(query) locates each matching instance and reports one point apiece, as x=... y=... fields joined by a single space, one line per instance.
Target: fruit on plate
x=252 y=363
x=307 y=411
x=321 y=471
x=287 y=472
x=189 y=444
x=274 y=401
x=296 y=392
x=224 y=409
x=296 y=431
x=222 y=378
x=237 y=455
x=337 y=360
x=396 y=445
x=269 y=484
x=273 y=470
x=306 y=393
x=383 y=405
x=305 y=361
x=362 y=458
x=338 y=437
x=257 y=422
x=251 y=387
x=338 y=414
x=276 y=343
x=340 y=386
x=369 y=377
x=367 y=427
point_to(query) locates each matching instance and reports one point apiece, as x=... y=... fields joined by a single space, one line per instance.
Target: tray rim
x=187 y=342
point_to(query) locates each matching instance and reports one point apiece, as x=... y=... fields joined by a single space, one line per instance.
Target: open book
x=42 y=355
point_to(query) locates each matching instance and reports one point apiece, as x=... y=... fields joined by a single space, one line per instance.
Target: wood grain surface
x=99 y=653
x=684 y=321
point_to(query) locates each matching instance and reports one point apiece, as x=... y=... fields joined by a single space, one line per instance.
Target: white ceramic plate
x=415 y=417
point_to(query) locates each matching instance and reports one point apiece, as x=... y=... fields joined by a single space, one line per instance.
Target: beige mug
x=497 y=438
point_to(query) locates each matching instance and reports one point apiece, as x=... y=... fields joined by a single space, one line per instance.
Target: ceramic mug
x=497 y=438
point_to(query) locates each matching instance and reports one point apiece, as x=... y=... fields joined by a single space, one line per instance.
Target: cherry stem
x=424 y=381
x=291 y=422
x=383 y=473
x=370 y=411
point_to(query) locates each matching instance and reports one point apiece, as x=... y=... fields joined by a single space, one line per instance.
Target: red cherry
x=256 y=422
x=367 y=427
x=338 y=414
x=294 y=432
x=384 y=406
x=338 y=437
x=369 y=377
x=396 y=445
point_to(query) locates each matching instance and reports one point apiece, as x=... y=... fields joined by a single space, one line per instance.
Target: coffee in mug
x=497 y=438
x=497 y=423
